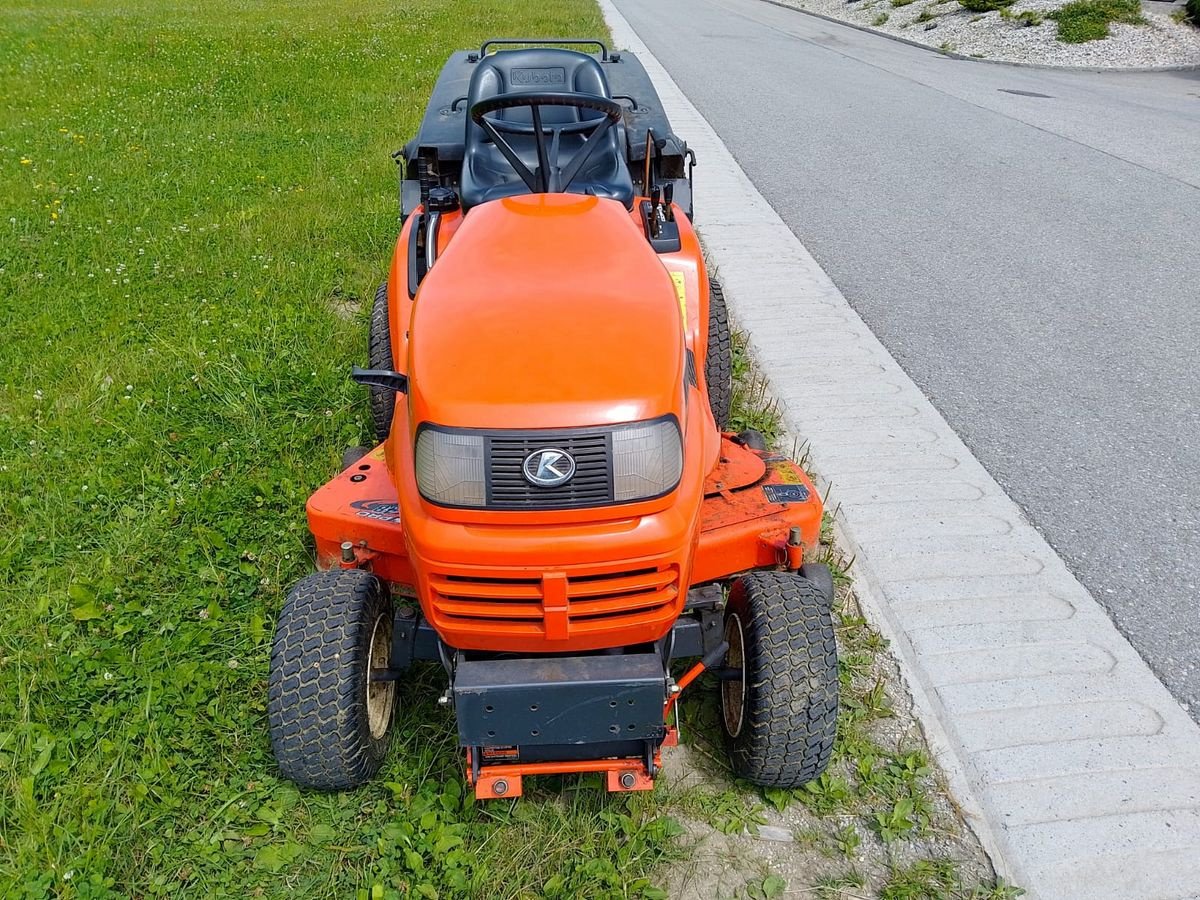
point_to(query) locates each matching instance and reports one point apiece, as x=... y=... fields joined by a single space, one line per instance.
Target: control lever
x=669 y=200
x=661 y=228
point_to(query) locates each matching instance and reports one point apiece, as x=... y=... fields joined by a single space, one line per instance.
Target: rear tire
x=755 y=440
x=780 y=717
x=351 y=455
x=330 y=725
x=379 y=356
x=718 y=364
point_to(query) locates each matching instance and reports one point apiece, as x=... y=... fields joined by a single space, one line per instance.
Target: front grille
x=519 y=605
x=590 y=486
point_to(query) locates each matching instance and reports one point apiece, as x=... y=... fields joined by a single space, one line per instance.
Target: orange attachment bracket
x=629 y=780
x=503 y=780
x=498 y=787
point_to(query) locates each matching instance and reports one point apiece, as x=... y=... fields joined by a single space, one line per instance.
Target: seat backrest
x=537 y=69
x=487 y=175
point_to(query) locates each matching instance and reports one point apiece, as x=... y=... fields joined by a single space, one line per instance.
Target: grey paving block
x=1028 y=612
x=1073 y=763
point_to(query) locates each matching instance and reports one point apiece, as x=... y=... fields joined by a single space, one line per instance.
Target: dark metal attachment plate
x=559 y=700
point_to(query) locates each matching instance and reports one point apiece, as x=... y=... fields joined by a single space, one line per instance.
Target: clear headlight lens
x=450 y=467
x=647 y=459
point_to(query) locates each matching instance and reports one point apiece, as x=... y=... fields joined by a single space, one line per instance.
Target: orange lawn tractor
x=556 y=511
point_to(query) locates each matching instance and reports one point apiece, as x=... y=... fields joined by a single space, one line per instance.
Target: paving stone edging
x=1078 y=770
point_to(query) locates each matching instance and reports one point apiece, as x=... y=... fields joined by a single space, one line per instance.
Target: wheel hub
x=733 y=691
x=381 y=695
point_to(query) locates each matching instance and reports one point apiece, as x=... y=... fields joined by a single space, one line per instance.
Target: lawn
x=195 y=196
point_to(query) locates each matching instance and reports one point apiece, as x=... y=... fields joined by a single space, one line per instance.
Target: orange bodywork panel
x=552 y=311
x=495 y=595
x=545 y=311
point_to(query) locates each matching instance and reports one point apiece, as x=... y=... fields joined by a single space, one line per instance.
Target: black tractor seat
x=487 y=175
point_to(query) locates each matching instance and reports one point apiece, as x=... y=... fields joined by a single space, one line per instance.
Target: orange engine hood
x=546 y=311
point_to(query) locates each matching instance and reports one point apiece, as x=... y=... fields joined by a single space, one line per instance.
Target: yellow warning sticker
x=681 y=293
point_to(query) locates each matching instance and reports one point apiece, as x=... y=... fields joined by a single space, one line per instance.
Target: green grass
x=938 y=879
x=190 y=191
x=1088 y=20
x=752 y=406
x=985 y=5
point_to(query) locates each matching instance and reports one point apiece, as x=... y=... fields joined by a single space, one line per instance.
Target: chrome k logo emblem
x=549 y=467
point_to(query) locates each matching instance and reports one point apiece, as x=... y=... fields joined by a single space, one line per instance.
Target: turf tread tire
x=379 y=356
x=791 y=696
x=351 y=455
x=718 y=363
x=316 y=691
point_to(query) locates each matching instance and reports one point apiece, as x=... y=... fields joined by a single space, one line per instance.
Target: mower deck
x=753 y=500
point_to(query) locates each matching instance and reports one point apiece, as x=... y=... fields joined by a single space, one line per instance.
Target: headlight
x=450 y=467
x=647 y=459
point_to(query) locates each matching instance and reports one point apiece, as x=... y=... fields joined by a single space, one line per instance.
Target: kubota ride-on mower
x=555 y=511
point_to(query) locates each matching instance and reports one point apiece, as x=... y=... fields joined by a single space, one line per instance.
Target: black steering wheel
x=550 y=177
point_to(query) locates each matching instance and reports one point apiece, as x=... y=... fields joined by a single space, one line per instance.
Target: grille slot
x=594 y=601
x=591 y=484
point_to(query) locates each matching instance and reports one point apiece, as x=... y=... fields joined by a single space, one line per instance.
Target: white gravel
x=1161 y=42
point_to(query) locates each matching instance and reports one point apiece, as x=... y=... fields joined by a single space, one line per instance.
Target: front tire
x=780 y=715
x=330 y=724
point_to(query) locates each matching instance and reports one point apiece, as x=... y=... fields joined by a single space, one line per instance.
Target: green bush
x=1087 y=20
x=1027 y=17
x=981 y=6
x=1193 y=11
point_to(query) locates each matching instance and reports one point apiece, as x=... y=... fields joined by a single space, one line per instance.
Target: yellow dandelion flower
x=25 y=161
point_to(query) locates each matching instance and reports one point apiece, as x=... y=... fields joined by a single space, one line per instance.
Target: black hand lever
x=380 y=378
x=669 y=199
x=655 y=199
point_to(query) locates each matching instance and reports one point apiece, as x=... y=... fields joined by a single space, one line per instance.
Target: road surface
x=1025 y=242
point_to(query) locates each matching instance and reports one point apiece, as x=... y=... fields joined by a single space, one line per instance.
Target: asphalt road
x=1025 y=242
